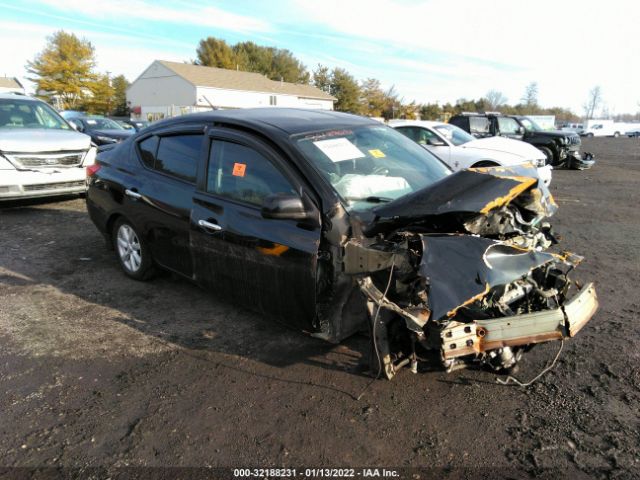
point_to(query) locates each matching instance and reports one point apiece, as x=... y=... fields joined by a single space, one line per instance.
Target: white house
x=167 y=89
x=10 y=85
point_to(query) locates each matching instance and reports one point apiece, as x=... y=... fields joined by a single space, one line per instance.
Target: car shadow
x=57 y=245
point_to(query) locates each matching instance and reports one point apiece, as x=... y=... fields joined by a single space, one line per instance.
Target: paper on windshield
x=339 y=149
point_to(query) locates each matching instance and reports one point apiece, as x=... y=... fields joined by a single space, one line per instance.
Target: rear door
x=265 y=264
x=160 y=199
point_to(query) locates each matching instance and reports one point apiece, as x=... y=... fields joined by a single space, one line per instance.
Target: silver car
x=40 y=154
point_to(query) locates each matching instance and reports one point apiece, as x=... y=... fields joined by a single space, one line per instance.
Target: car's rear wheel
x=616 y=135
x=548 y=154
x=131 y=250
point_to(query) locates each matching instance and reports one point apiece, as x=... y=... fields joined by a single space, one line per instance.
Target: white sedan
x=460 y=150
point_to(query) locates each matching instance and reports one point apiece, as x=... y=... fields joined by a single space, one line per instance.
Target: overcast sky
x=433 y=50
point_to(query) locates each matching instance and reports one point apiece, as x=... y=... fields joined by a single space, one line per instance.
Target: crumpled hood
x=463 y=268
x=34 y=140
x=470 y=193
x=505 y=145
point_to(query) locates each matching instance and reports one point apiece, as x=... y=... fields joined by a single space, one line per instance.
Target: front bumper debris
x=480 y=336
x=578 y=161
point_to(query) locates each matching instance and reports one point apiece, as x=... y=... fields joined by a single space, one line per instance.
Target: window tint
x=178 y=156
x=479 y=124
x=508 y=125
x=243 y=174
x=148 y=148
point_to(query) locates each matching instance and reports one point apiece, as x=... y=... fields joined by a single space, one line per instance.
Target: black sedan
x=103 y=131
x=334 y=224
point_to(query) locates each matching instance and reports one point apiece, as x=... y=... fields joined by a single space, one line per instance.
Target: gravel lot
x=97 y=370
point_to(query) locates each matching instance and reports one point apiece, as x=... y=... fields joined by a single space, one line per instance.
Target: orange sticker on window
x=238 y=169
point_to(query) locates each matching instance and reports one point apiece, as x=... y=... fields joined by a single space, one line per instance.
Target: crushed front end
x=463 y=273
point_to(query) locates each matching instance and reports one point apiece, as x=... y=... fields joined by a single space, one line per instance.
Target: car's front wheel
x=131 y=250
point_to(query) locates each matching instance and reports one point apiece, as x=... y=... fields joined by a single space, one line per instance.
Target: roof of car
x=18 y=96
x=417 y=123
x=289 y=120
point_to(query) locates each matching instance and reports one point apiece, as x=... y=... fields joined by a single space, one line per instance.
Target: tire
x=589 y=135
x=132 y=251
x=485 y=163
x=616 y=135
x=547 y=153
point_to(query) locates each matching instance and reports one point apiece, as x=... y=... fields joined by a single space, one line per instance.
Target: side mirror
x=520 y=130
x=283 y=207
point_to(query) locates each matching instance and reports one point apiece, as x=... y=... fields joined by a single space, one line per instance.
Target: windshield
x=454 y=134
x=99 y=123
x=530 y=125
x=371 y=165
x=18 y=113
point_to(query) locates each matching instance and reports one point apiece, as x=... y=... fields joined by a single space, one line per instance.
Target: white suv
x=40 y=154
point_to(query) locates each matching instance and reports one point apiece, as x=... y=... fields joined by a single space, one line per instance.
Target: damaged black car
x=335 y=224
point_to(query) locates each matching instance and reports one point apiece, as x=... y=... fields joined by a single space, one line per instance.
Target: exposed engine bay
x=466 y=272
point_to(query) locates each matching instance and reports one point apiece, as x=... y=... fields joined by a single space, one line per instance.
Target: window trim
x=172 y=132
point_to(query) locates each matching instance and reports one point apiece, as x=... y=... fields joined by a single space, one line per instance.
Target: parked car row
x=561 y=149
x=460 y=150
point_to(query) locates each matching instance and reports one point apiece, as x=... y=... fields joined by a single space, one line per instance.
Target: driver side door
x=267 y=265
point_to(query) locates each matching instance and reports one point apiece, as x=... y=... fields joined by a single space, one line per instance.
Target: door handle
x=132 y=194
x=209 y=225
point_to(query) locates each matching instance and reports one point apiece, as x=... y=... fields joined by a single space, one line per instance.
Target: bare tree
x=530 y=97
x=494 y=99
x=593 y=102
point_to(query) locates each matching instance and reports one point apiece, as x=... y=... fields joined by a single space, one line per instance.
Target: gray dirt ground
x=100 y=370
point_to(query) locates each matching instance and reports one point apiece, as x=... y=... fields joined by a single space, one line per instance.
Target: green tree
x=101 y=96
x=274 y=63
x=374 y=100
x=213 y=52
x=119 y=104
x=64 y=69
x=347 y=91
x=322 y=78
x=430 y=111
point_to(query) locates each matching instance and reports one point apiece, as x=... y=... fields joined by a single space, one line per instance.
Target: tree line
x=65 y=74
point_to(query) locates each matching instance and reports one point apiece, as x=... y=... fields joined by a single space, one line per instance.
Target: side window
x=241 y=173
x=178 y=156
x=420 y=135
x=148 y=148
x=508 y=125
x=479 y=125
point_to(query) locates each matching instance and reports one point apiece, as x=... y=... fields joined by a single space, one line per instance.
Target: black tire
x=547 y=153
x=485 y=163
x=616 y=135
x=589 y=135
x=131 y=250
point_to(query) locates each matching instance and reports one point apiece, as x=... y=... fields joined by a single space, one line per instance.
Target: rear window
x=175 y=155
